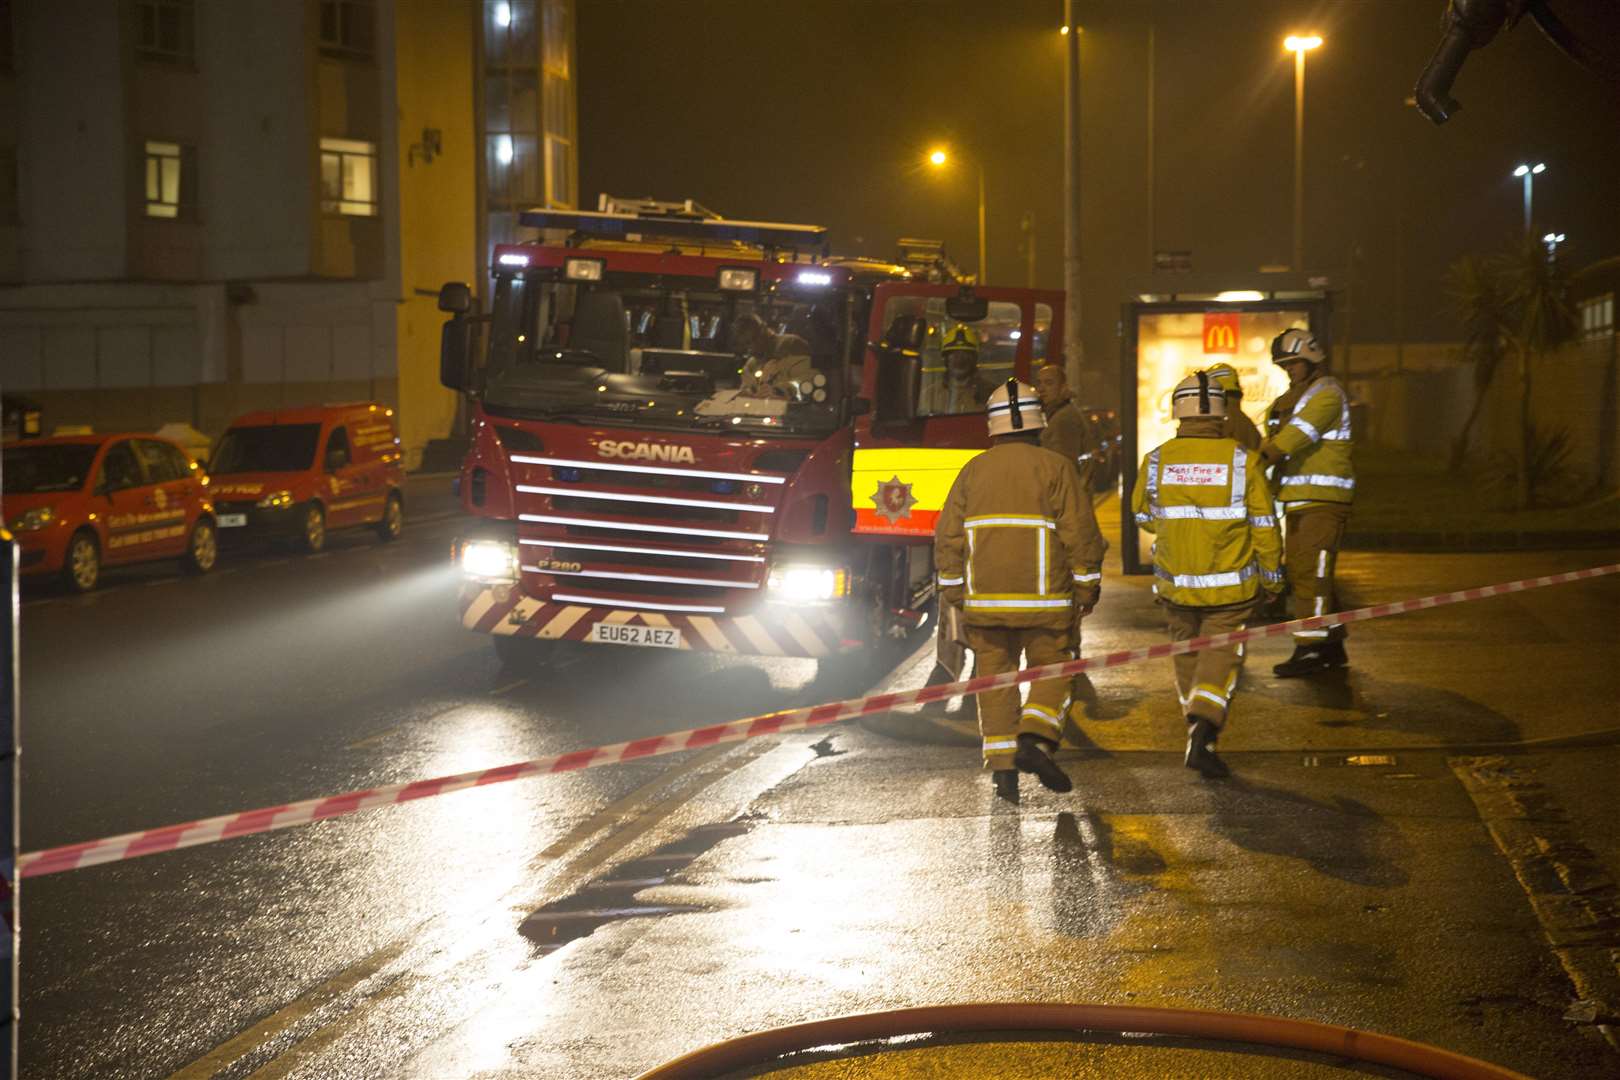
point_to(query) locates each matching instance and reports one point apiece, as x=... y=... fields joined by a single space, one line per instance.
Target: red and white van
x=298 y=474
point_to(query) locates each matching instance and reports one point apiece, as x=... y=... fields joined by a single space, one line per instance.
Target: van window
x=267 y=448
x=337 y=448
x=119 y=469
x=160 y=467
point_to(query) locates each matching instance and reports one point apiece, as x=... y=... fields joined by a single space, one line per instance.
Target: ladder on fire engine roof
x=927 y=261
x=649 y=220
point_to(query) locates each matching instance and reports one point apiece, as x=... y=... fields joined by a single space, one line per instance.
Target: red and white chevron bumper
x=768 y=630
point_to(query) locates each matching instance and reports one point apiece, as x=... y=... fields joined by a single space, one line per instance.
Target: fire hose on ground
x=764 y=1047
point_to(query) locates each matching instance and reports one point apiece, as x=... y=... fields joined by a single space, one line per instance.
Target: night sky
x=821 y=111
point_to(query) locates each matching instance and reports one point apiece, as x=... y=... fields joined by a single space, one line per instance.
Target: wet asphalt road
x=162 y=698
x=597 y=923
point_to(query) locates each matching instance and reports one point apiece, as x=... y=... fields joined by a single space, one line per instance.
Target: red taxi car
x=77 y=503
x=297 y=474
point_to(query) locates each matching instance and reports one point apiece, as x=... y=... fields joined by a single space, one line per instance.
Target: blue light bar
x=620 y=226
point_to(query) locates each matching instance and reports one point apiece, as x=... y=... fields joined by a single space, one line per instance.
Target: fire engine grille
x=628 y=534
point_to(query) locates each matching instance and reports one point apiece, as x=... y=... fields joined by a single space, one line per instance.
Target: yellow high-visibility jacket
x=1239 y=428
x=1206 y=499
x=1019 y=538
x=1311 y=426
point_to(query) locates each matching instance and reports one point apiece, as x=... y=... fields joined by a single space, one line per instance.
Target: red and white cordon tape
x=208 y=830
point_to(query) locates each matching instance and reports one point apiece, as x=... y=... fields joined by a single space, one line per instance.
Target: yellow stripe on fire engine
x=926 y=475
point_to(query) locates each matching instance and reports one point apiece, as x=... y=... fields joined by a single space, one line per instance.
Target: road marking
x=375 y=738
x=161 y=581
x=638 y=822
x=231 y=1051
x=510 y=686
x=318 y=555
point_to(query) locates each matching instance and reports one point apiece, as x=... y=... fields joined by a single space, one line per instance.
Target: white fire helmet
x=1197 y=395
x=1296 y=344
x=1014 y=407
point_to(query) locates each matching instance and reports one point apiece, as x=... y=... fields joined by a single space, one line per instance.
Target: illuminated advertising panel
x=1166 y=342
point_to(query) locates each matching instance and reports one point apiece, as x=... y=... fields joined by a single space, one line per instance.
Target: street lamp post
x=1299 y=45
x=1529 y=173
x=939 y=158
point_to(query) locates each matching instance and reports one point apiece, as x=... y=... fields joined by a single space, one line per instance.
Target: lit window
x=164 y=30
x=348 y=177
x=1597 y=317
x=170 y=173
x=346 y=27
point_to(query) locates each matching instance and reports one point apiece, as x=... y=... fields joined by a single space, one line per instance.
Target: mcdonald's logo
x=1221 y=332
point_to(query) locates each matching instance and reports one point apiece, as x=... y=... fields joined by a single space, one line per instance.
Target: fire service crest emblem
x=893 y=500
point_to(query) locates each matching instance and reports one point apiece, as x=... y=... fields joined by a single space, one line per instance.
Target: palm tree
x=1544 y=321
x=1475 y=295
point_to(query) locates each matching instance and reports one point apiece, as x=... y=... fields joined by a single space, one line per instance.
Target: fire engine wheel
x=82 y=567
x=524 y=653
x=312 y=533
x=393 y=519
x=202 y=550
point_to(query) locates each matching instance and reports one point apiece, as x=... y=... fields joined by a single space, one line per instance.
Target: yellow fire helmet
x=1296 y=344
x=960 y=338
x=1014 y=407
x=1197 y=395
x=1225 y=376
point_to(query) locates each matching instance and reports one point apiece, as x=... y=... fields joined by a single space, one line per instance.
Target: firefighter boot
x=1006 y=781
x=1032 y=757
x=1201 y=754
x=1312 y=659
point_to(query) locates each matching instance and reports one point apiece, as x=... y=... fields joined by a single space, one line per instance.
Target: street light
x=939 y=158
x=1552 y=240
x=1299 y=45
x=1529 y=173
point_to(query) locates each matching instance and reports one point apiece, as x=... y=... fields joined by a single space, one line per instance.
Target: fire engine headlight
x=806 y=584
x=34 y=520
x=276 y=500
x=489 y=560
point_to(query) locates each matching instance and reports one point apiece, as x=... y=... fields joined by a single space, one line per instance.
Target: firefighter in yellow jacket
x=1309 y=443
x=1017 y=548
x=1217 y=547
x=1237 y=426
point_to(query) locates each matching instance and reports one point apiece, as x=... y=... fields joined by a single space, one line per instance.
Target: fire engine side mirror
x=965 y=307
x=455 y=353
x=899 y=384
x=455 y=297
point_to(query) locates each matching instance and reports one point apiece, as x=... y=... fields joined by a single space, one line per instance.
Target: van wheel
x=312 y=535
x=393 y=519
x=202 y=550
x=81 y=569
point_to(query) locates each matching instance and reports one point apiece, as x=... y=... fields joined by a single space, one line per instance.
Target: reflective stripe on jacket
x=1019 y=536
x=1314 y=434
x=1207 y=501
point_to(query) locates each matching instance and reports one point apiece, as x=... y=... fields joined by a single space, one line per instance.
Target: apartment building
x=211 y=206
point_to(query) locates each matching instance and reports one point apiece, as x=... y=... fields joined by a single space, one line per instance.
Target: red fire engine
x=698 y=433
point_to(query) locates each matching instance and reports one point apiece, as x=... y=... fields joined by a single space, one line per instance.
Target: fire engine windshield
x=661 y=354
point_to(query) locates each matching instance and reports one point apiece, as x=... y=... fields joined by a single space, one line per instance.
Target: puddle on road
x=612 y=898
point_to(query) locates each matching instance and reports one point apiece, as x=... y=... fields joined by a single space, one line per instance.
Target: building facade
x=207 y=208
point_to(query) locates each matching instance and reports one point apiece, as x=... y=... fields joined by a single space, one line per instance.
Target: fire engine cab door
x=904 y=465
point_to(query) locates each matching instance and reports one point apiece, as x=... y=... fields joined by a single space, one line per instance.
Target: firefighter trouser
x=996 y=650
x=1206 y=680
x=1309 y=552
